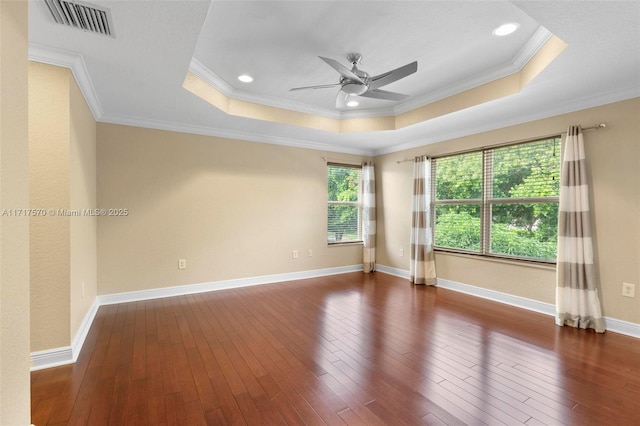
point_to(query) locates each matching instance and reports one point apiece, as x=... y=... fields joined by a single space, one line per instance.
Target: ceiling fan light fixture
x=355 y=82
x=506 y=29
x=354 y=88
x=245 y=78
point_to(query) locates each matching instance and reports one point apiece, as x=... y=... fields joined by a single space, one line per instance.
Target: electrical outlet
x=182 y=263
x=310 y=253
x=628 y=290
x=401 y=252
x=294 y=254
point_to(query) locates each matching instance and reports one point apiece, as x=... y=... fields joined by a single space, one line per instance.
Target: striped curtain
x=368 y=217
x=423 y=264
x=577 y=302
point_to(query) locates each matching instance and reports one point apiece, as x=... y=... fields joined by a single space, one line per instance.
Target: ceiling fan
x=355 y=82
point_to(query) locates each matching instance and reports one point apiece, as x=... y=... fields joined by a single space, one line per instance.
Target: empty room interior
x=319 y=212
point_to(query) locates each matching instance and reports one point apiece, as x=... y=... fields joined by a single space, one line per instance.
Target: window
x=344 y=204
x=500 y=201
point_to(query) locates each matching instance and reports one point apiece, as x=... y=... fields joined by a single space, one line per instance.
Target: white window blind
x=499 y=201
x=344 y=208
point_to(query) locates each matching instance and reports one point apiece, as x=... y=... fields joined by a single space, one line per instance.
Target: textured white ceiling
x=278 y=43
x=136 y=77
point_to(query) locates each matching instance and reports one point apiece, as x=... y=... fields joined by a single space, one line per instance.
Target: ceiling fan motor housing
x=354 y=88
x=355 y=82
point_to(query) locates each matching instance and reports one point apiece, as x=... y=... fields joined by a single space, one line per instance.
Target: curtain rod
x=594 y=127
x=340 y=161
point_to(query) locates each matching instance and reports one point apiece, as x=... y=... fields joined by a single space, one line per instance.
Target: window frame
x=357 y=203
x=487 y=201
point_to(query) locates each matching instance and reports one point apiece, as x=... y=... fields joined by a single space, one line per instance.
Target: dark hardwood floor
x=346 y=349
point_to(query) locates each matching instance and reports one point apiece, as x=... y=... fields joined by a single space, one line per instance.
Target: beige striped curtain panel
x=368 y=217
x=577 y=302
x=423 y=265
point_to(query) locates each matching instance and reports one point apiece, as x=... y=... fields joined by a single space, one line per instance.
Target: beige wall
x=14 y=231
x=232 y=209
x=614 y=161
x=84 y=229
x=62 y=173
x=49 y=189
x=236 y=209
x=204 y=199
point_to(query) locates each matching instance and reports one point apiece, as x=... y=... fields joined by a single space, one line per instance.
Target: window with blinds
x=344 y=209
x=499 y=201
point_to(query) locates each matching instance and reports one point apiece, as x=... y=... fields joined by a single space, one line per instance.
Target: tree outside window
x=501 y=201
x=344 y=204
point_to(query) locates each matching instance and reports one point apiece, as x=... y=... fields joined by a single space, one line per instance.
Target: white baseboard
x=66 y=354
x=402 y=273
x=612 y=324
x=69 y=354
x=134 y=296
x=81 y=334
x=622 y=327
x=51 y=358
x=496 y=296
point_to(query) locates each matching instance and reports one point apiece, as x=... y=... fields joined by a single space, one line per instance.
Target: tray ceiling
x=137 y=76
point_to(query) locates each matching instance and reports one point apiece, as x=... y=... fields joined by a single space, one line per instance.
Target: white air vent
x=81 y=15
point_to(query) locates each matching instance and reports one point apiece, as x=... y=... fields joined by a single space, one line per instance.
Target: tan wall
x=83 y=229
x=49 y=189
x=62 y=174
x=232 y=209
x=14 y=231
x=614 y=161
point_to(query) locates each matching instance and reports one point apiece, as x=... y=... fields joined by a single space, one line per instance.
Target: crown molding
x=566 y=108
x=78 y=67
x=535 y=43
x=544 y=47
x=199 y=69
x=229 y=134
x=522 y=57
x=76 y=64
x=229 y=91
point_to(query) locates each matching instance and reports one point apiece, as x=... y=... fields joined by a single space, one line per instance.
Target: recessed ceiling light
x=353 y=103
x=245 y=78
x=506 y=29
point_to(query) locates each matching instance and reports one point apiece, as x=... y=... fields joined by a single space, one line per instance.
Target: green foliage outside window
x=522 y=201
x=344 y=206
x=459 y=177
x=458 y=226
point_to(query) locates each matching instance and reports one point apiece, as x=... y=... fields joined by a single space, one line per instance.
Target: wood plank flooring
x=356 y=349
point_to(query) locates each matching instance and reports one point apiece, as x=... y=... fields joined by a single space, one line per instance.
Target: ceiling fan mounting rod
x=354 y=58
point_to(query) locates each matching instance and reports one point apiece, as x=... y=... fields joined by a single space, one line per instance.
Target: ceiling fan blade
x=395 y=75
x=384 y=94
x=341 y=99
x=344 y=71
x=322 y=86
